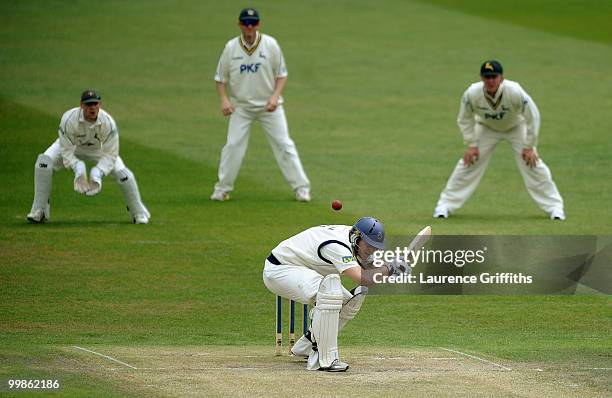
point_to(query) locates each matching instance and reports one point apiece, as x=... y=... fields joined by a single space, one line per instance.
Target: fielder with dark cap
x=306 y=268
x=493 y=110
x=250 y=78
x=85 y=133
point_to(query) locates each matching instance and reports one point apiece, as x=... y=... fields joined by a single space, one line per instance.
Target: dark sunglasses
x=249 y=22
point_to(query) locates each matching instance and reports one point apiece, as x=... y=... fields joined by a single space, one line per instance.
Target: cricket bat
x=419 y=241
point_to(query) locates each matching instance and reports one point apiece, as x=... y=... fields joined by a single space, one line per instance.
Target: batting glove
x=398 y=266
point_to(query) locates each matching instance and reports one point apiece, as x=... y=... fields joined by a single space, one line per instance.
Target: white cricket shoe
x=336 y=366
x=302 y=194
x=557 y=215
x=141 y=218
x=219 y=195
x=440 y=212
x=39 y=215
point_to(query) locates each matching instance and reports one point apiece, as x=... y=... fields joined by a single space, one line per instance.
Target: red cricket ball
x=336 y=205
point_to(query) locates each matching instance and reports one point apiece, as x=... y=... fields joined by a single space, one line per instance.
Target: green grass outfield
x=371 y=101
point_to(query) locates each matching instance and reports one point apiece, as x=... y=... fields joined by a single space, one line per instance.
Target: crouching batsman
x=306 y=268
x=85 y=133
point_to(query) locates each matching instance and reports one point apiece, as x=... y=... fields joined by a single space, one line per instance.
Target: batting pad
x=352 y=306
x=325 y=319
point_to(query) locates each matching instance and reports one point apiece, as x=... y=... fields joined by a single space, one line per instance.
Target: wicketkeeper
x=306 y=268
x=491 y=111
x=85 y=133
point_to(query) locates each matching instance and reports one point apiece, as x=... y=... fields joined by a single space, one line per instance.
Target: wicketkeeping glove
x=95 y=186
x=80 y=177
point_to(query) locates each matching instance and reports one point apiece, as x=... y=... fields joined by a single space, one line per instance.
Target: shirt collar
x=247 y=45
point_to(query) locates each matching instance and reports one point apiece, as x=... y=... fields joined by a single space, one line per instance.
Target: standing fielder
x=85 y=133
x=493 y=110
x=253 y=68
x=307 y=268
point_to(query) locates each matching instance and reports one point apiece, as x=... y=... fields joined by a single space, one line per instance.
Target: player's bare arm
x=278 y=91
x=227 y=108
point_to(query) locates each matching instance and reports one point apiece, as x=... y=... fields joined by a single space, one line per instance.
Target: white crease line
x=597 y=368
x=475 y=357
x=105 y=356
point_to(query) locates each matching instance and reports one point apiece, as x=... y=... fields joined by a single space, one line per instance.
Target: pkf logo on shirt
x=495 y=116
x=249 y=68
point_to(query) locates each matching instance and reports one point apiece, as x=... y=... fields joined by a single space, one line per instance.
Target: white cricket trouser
x=275 y=126
x=54 y=152
x=464 y=180
x=295 y=283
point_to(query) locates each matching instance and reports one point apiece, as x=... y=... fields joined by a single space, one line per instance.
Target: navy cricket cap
x=90 y=96
x=249 y=16
x=491 y=68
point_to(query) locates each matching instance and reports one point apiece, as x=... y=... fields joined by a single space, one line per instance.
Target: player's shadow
x=76 y=224
x=496 y=217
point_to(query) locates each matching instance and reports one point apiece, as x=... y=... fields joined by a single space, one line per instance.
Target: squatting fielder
x=85 y=133
x=493 y=110
x=253 y=68
x=306 y=268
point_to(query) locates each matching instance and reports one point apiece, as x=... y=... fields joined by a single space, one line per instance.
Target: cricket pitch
x=254 y=371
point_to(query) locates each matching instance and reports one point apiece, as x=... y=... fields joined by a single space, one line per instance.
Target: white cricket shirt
x=100 y=138
x=510 y=107
x=250 y=73
x=325 y=249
